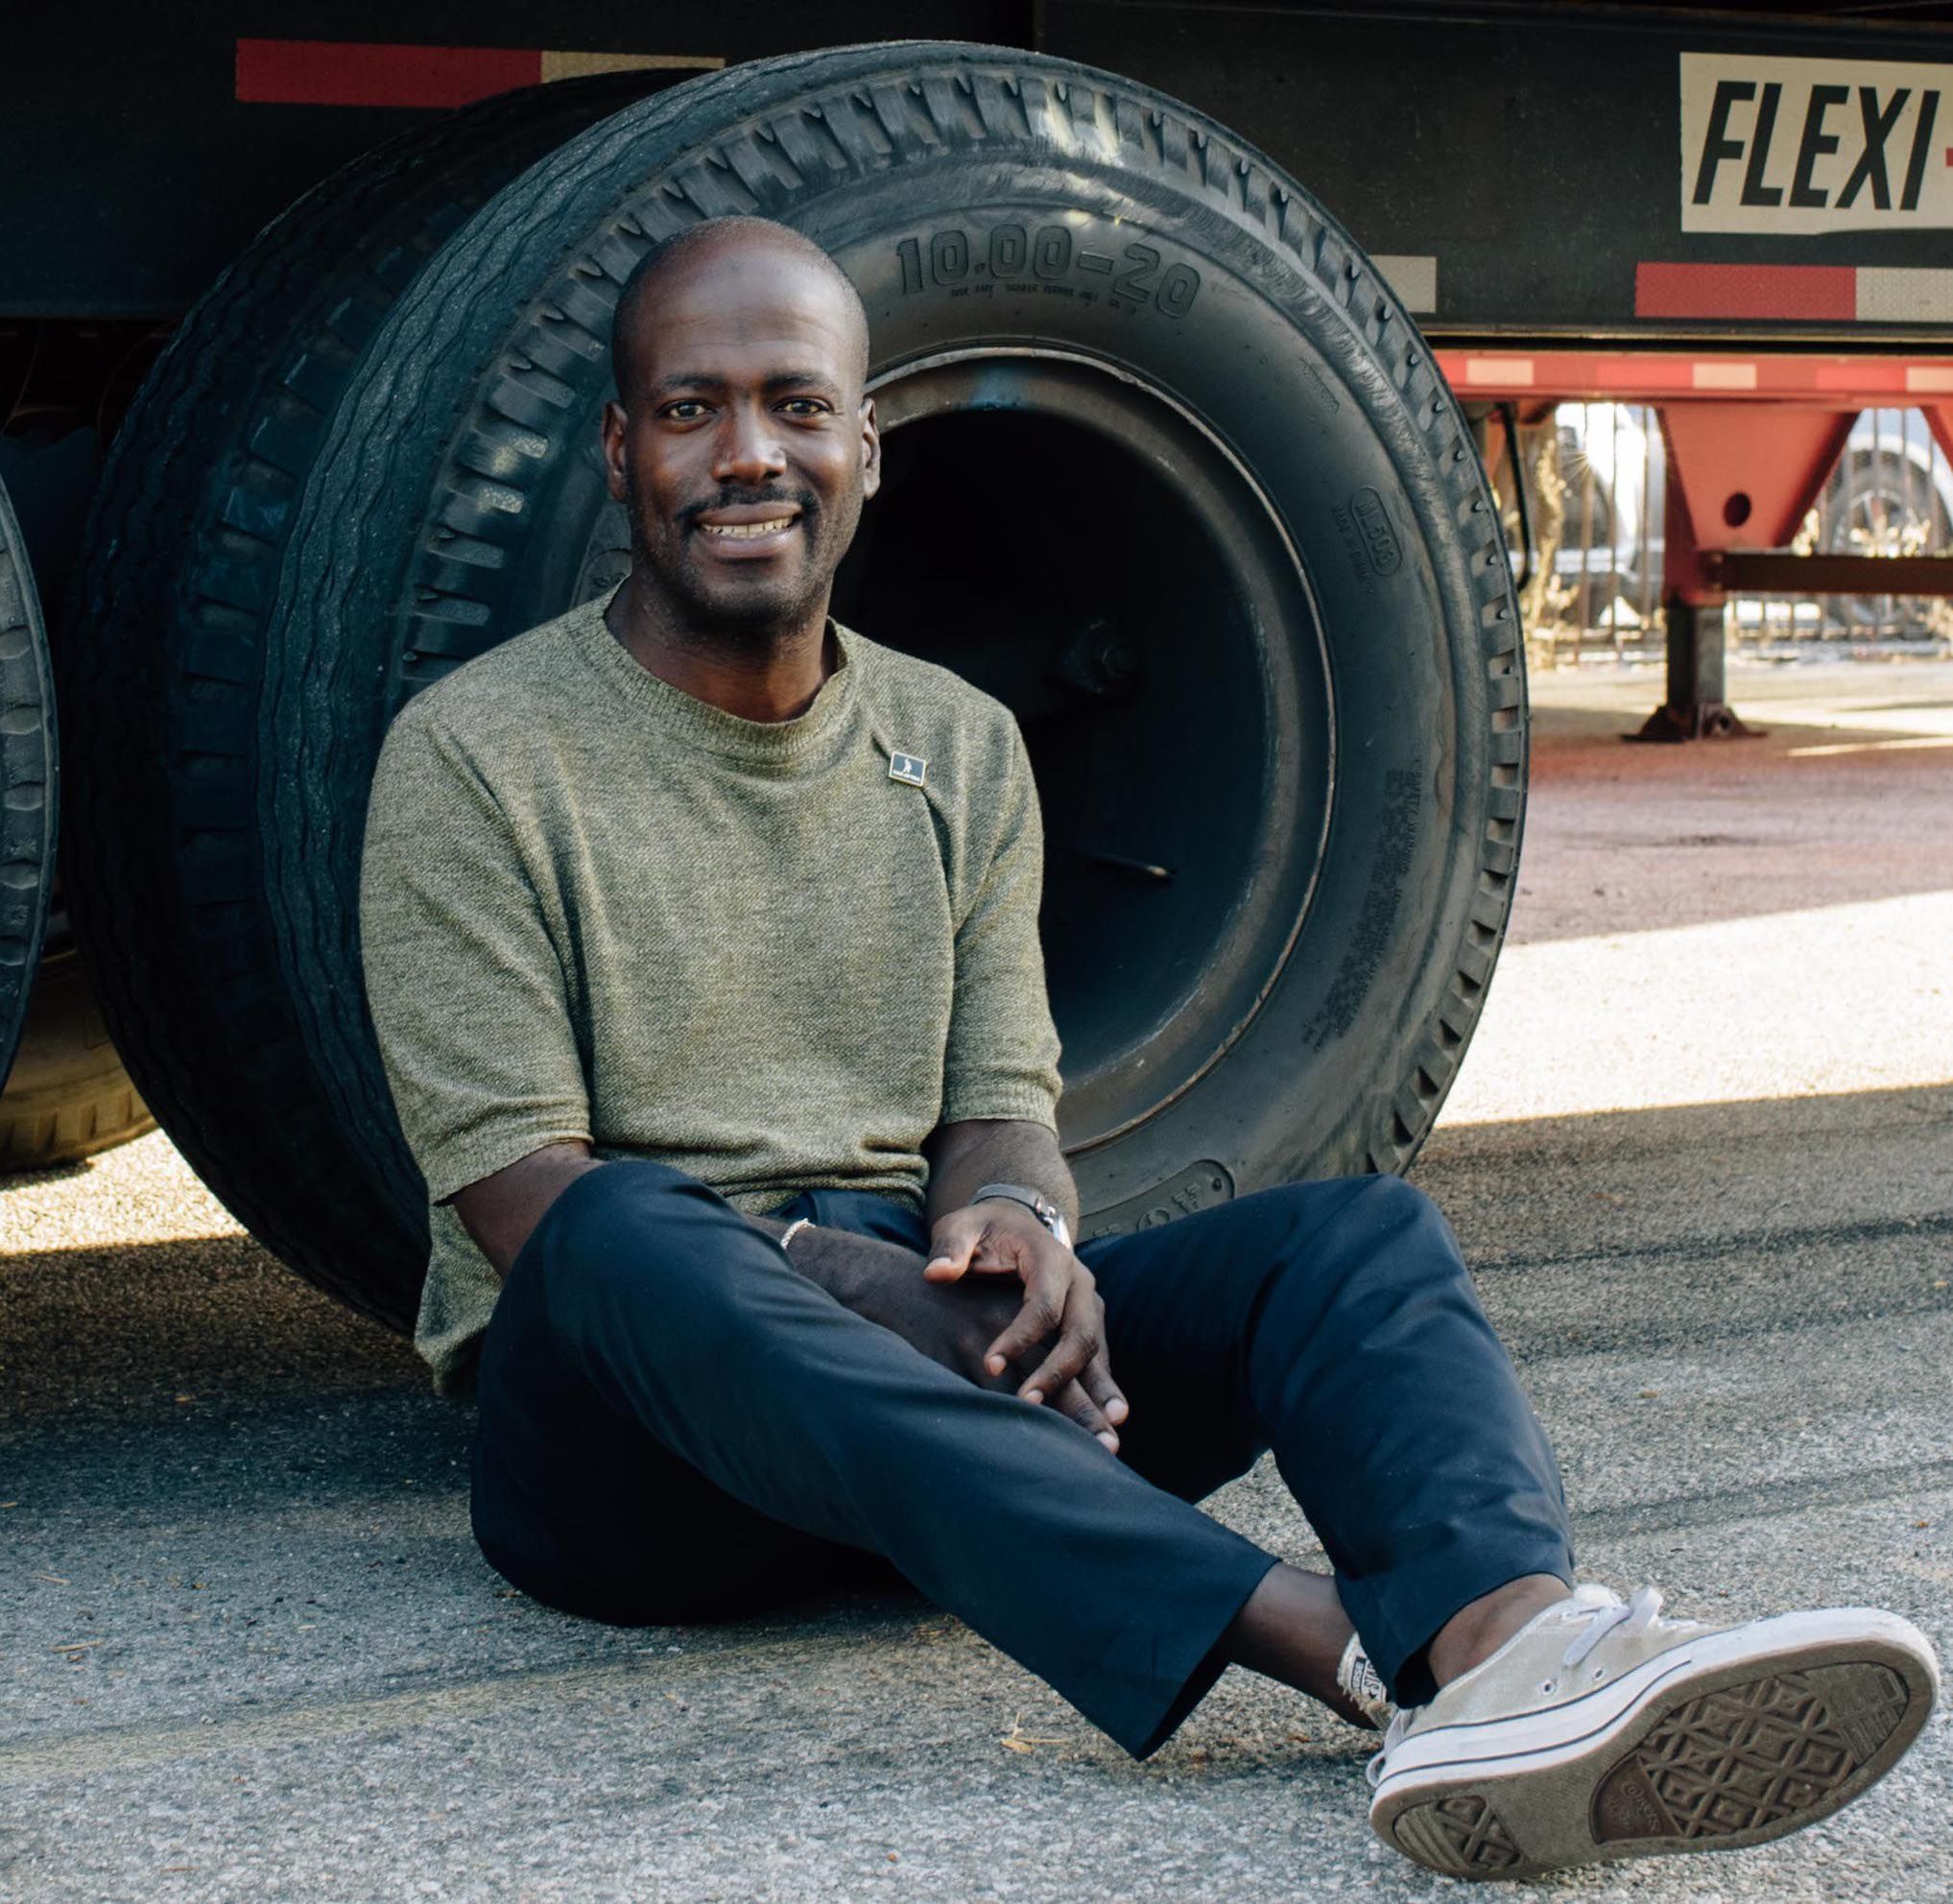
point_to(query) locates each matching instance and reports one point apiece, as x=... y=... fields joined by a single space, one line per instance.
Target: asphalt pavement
x=1701 y=1157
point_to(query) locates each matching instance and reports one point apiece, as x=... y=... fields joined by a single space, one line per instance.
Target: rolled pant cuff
x=1421 y=1599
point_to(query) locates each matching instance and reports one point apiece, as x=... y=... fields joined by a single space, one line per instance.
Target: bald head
x=732 y=248
x=742 y=441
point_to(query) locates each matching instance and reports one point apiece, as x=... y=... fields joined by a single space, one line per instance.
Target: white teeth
x=747 y=530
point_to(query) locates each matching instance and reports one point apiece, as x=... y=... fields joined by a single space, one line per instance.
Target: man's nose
x=749 y=447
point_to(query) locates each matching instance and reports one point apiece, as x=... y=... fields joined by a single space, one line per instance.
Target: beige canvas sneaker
x=1600 y=1729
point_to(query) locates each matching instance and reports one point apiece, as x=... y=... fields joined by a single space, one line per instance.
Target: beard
x=756 y=602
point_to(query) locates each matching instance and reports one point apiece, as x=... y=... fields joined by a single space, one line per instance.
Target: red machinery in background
x=1752 y=438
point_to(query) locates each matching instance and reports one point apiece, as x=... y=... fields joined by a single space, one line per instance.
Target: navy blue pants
x=676 y=1426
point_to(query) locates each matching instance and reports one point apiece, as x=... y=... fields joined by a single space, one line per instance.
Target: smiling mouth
x=746 y=532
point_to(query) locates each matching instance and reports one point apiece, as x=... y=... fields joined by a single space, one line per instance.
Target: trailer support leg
x=1739 y=477
x=1695 y=709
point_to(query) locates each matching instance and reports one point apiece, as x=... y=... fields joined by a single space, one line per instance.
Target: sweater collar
x=687 y=718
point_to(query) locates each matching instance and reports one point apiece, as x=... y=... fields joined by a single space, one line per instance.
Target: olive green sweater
x=593 y=906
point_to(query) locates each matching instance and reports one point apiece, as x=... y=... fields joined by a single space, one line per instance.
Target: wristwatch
x=1036 y=1201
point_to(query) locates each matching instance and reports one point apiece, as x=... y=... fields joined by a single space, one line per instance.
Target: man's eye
x=805 y=406
x=685 y=411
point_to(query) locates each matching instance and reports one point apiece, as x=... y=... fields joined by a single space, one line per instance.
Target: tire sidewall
x=29 y=779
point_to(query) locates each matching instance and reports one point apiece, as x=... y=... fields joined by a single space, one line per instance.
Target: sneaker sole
x=1728 y=1742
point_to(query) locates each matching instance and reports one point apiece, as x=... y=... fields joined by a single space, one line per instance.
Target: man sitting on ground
x=701 y=935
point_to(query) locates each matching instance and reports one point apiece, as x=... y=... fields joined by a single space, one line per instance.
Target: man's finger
x=1078 y=1343
x=955 y=1245
x=1097 y=1382
x=966 y=1242
x=1072 y=1400
x=1042 y=1313
x=1064 y=1364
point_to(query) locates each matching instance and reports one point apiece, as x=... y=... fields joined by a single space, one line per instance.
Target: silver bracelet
x=794 y=1228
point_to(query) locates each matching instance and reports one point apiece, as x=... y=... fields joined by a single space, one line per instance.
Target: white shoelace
x=1632 y=1616
x=1602 y=1613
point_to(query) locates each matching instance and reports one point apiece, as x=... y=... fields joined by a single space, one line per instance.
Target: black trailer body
x=1522 y=170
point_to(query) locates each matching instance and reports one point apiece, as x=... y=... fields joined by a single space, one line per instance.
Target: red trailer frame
x=1752 y=436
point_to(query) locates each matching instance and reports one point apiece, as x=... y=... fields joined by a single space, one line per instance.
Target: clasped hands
x=1060 y=1310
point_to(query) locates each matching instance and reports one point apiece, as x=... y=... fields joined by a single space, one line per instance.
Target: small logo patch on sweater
x=907 y=767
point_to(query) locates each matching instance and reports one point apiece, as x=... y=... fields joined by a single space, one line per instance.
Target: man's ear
x=870 y=450
x=615 y=424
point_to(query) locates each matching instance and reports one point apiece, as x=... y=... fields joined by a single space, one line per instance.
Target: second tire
x=1169 y=470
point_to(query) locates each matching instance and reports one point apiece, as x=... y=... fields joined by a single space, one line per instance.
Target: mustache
x=804 y=500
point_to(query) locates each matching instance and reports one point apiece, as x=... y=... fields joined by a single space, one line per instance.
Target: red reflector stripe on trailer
x=1657 y=376
x=1863 y=293
x=343 y=72
x=1746 y=291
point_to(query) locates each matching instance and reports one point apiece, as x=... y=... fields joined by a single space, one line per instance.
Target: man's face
x=743 y=447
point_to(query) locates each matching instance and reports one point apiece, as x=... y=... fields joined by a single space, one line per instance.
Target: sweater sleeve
x=463 y=978
x=1001 y=1059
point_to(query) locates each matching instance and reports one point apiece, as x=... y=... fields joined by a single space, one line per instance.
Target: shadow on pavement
x=253 y=1623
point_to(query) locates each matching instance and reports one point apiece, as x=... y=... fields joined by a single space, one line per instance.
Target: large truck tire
x=68 y=1095
x=26 y=782
x=1168 y=469
x=64 y=1092
x=163 y=653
